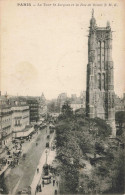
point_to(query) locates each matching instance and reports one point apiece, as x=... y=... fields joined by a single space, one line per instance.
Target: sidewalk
x=48 y=189
x=37 y=177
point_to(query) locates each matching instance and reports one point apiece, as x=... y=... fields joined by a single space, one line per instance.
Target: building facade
x=75 y=105
x=20 y=119
x=5 y=125
x=61 y=100
x=33 y=109
x=119 y=104
x=5 y=122
x=100 y=74
x=42 y=106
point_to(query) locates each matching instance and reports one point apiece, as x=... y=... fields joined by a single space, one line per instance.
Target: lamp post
x=46 y=155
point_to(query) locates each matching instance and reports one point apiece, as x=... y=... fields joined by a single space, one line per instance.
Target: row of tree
x=79 y=137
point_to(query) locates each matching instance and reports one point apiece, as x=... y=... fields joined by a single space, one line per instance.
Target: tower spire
x=92 y=13
x=92 y=21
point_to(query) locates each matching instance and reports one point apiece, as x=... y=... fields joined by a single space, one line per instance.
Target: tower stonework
x=100 y=76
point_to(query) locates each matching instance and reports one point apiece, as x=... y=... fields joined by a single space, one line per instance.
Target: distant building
x=83 y=98
x=75 y=105
x=42 y=106
x=61 y=99
x=3 y=100
x=119 y=104
x=33 y=104
x=73 y=97
x=78 y=102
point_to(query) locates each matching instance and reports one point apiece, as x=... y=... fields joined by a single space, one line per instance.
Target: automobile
x=24 y=156
x=1 y=190
x=51 y=130
x=24 y=191
x=54 y=147
x=17 y=141
x=48 y=136
x=22 y=141
x=17 y=153
x=9 y=160
x=4 y=161
x=47 y=145
x=8 y=153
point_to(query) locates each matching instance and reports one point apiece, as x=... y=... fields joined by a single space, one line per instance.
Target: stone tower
x=100 y=81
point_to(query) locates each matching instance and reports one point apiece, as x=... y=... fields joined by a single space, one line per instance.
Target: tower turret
x=92 y=21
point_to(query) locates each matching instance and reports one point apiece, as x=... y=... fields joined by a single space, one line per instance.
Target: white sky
x=44 y=48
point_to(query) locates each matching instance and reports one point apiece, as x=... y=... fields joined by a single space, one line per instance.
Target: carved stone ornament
x=108 y=45
x=101 y=36
x=91 y=56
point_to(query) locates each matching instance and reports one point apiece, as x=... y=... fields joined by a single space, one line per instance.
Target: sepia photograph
x=62 y=97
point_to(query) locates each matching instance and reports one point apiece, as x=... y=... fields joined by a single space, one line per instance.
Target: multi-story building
x=78 y=102
x=100 y=74
x=119 y=104
x=75 y=105
x=5 y=122
x=20 y=120
x=42 y=106
x=61 y=99
x=33 y=104
x=5 y=125
x=73 y=97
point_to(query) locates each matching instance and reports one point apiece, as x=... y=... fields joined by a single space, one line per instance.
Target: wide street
x=22 y=175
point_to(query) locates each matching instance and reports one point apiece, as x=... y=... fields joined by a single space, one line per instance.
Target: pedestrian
x=37 y=188
x=57 y=183
x=55 y=192
x=37 y=170
x=53 y=182
x=40 y=189
x=43 y=183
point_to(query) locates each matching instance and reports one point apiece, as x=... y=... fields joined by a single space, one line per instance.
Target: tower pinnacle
x=92 y=21
x=92 y=13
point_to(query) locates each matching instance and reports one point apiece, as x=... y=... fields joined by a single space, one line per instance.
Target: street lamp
x=46 y=155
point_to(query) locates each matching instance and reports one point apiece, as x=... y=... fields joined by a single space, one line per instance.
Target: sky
x=44 y=47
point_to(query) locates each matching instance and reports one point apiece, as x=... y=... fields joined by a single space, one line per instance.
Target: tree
x=66 y=110
x=104 y=130
x=120 y=120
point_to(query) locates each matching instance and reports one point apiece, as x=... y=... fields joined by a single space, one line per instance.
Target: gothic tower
x=100 y=81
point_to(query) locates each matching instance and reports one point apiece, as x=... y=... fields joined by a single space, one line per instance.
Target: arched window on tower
x=99 y=55
x=15 y=122
x=103 y=81
x=99 y=81
x=103 y=54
